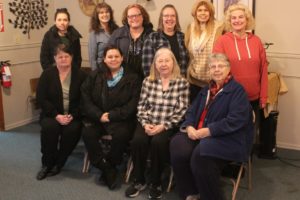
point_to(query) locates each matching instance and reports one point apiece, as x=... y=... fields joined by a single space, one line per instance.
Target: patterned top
x=157 y=40
x=198 y=72
x=163 y=107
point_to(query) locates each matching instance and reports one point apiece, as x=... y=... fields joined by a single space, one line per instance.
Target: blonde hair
x=211 y=21
x=249 y=17
x=154 y=74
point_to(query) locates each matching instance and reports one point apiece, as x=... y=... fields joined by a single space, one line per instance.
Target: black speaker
x=267 y=136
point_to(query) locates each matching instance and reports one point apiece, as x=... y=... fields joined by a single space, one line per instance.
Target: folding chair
x=130 y=168
x=235 y=171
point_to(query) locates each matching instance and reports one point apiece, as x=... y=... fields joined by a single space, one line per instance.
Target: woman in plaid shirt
x=168 y=34
x=163 y=102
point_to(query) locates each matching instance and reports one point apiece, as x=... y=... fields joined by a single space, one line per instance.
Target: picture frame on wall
x=88 y=6
x=222 y=5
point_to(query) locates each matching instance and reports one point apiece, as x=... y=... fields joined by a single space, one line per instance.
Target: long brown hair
x=95 y=22
x=160 y=20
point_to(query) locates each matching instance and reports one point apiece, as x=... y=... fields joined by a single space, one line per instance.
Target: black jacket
x=50 y=42
x=120 y=101
x=50 y=97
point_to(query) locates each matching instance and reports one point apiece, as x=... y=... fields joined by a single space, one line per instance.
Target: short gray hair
x=218 y=57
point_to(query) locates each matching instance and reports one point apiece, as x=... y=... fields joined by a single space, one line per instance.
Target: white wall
x=273 y=25
x=279 y=25
x=24 y=56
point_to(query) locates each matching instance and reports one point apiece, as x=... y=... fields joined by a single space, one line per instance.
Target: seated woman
x=163 y=102
x=58 y=95
x=217 y=129
x=109 y=100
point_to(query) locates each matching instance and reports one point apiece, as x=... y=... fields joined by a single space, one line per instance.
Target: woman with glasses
x=102 y=26
x=131 y=36
x=61 y=33
x=247 y=56
x=168 y=35
x=200 y=37
x=218 y=129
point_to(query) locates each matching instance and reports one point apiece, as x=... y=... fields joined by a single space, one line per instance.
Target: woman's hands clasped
x=64 y=119
x=154 y=129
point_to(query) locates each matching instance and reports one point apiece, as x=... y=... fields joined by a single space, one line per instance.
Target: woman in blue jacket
x=218 y=129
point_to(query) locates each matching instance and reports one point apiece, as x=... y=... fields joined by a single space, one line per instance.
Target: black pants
x=195 y=174
x=258 y=114
x=58 y=141
x=157 y=146
x=120 y=139
x=194 y=90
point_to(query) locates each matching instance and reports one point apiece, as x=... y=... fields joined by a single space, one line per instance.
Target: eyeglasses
x=169 y=16
x=134 y=16
x=214 y=67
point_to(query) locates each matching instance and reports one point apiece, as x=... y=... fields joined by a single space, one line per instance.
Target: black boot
x=43 y=173
x=110 y=176
x=54 y=171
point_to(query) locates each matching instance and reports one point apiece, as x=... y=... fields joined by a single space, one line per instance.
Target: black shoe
x=43 y=173
x=134 y=189
x=54 y=171
x=155 y=192
x=111 y=177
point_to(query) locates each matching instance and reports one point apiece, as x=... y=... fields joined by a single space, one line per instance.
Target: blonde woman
x=247 y=56
x=200 y=37
x=163 y=102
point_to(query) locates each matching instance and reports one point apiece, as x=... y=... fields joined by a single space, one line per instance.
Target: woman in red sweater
x=246 y=54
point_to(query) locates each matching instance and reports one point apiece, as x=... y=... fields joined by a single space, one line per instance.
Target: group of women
x=173 y=98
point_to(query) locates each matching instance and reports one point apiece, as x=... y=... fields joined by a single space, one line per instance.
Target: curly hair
x=95 y=24
x=145 y=15
x=249 y=17
x=160 y=20
x=211 y=21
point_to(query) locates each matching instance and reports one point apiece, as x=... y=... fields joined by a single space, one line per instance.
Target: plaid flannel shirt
x=158 y=107
x=157 y=40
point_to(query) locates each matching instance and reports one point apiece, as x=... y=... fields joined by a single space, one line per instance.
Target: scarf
x=114 y=80
x=212 y=93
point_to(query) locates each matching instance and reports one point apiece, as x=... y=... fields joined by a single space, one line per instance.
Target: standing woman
x=61 y=33
x=200 y=37
x=131 y=36
x=168 y=35
x=109 y=96
x=247 y=56
x=102 y=26
x=163 y=102
x=58 y=95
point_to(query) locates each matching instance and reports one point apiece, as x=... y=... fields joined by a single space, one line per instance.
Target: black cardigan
x=50 y=42
x=50 y=97
x=120 y=101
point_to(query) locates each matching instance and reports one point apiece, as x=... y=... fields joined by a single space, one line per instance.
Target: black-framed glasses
x=134 y=16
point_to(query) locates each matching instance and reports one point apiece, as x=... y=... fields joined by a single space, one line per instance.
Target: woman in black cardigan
x=110 y=97
x=60 y=33
x=58 y=95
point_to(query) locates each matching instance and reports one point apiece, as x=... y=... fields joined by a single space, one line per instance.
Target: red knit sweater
x=248 y=62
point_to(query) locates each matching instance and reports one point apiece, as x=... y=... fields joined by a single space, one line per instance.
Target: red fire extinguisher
x=5 y=74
